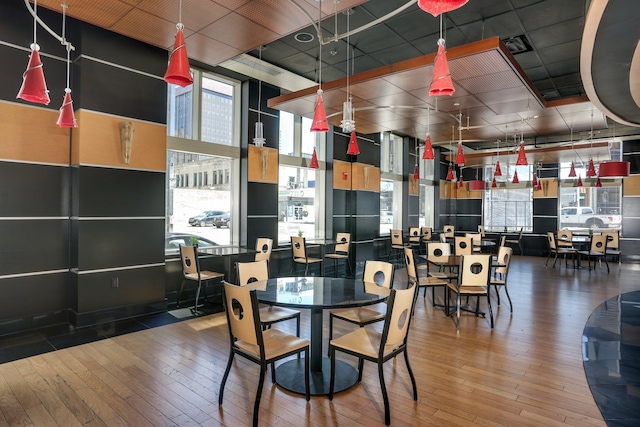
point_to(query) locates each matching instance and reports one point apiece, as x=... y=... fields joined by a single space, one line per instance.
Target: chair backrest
x=189 y=260
x=438 y=252
x=503 y=240
x=521 y=232
x=598 y=243
x=449 y=230
x=463 y=245
x=427 y=233
x=414 y=234
x=443 y=238
x=481 y=230
x=613 y=239
x=398 y=319
x=378 y=272
x=243 y=318
x=263 y=248
x=253 y=271
x=410 y=261
x=552 y=241
x=298 y=247
x=504 y=259
x=343 y=243
x=396 y=237
x=564 y=238
x=476 y=238
x=474 y=270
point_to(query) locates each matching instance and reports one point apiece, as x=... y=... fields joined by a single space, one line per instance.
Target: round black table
x=317 y=294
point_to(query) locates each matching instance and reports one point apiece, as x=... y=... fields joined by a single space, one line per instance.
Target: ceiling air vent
x=256 y=64
x=518 y=44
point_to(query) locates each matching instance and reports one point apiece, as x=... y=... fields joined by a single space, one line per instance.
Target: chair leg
x=360 y=368
x=330 y=333
x=195 y=305
x=413 y=379
x=497 y=292
x=180 y=293
x=256 y=406
x=490 y=310
x=224 y=377
x=332 y=382
x=307 y=390
x=385 y=398
x=506 y=289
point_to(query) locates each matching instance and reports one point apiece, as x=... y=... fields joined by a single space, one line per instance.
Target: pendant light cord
x=259 y=81
x=35 y=22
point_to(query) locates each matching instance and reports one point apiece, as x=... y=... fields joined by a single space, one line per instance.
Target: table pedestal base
x=290 y=376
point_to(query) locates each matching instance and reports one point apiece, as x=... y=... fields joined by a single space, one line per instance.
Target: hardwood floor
x=526 y=372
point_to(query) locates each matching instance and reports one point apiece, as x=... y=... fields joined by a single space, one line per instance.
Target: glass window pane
x=180 y=111
x=296 y=202
x=386 y=206
x=217 y=112
x=286 y=133
x=508 y=209
x=310 y=139
x=201 y=210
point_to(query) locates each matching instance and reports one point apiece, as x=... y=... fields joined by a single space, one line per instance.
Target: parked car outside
x=172 y=242
x=212 y=218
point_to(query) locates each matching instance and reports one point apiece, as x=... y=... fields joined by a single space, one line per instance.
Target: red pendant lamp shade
x=353 y=149
x=615 y=169
x=476 y=185
x=460 y=156
x=67 y=119
x=579 y=184
x=450 y=176
x=572 y=171
x=319 y=123
x=460 y=183
x=498 y=171
x=428 y=150
x=314 y=160
x=441 y=83
x=522 y=158
x=416 y=172
x=591 y=170
x=34 y=87
x=436 y=7
x=534 y=184
x=178 y=72
x=494 y=184
x=539 y=185
x=598 y=183
x=515 y=178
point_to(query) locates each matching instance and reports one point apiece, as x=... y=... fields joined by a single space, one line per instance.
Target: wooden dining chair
x=255 y=271
x=397 y=245
x=300 y=256
x=415 y=237
x=341 y=251
x=517 y=241
x=473 y=281
x=264 y=246
x=378 y=272
x=476 y=241
x=437 y=253
x=613 y=245
x=449 y=231
x=501 y=272
x=424 y=281
x=249 y=340
x=555 y=250
x=463 y=245
x=379 y=348
x=191 y=272
x=596 y=252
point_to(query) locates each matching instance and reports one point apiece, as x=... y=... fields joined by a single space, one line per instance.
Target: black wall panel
x=34 y=245
x=468 y=223
x=271 y=129
x=631 y=227
x=341 y=224
x=341 y=145
x=366 y=203
x=262 y=199
x=468 y=206
x=365 y=227
x=414 y=205
x=542 y=225
x=120 y=92
x=546 y=207
x=117 y=243
x=261 y=227
x=119 y=192
x=268 y=91
x=33 y=296
x=341 y=202
x=47 y=188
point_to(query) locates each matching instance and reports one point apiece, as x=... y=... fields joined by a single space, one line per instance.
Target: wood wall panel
x=549 y=188
x=631 y=185
x=97 y=142
x=263 y=164
x=365 y=177
x=30 y=134
x=339 y=169
x=414 y=186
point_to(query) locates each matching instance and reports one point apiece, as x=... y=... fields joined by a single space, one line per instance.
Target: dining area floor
x=527 y=371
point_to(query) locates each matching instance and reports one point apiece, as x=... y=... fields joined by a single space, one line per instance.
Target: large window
x=509 y=207
x=202 y=159
x=300 y=189
x=390 y=182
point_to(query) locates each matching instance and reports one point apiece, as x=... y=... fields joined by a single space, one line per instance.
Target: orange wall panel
x=97 y=142
x=263 y=164
x=30 y=134
x=340 y=171
x=631 y=185
x=365 y=177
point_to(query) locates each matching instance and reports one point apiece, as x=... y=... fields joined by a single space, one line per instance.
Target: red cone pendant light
x=428 y=150
x=460 y=182
x=515 y=178
x=416 y=172
x=178 y=72
x=534 y=184
x=598 y=183
x=498 y=171
x=353 y=149
x=522 y=158
x=34 y=87
x=314 y=160
x=572 y=171
x=579 y=184
x=319 y=123
x=67 y=119
x=494 y=184
x=441 y=83
x=450 y=176
x=591 y=170
x=436 y=7
x=460 y=156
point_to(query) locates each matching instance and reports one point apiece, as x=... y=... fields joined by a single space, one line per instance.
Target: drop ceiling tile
x=546 y=13
x=279 y=16
x=149 y=28
x=196 y=14
x=203 y=48
x=237 y=31
x=557 y=34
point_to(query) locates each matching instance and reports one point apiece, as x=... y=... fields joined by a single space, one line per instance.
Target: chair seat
x=363 y=341
x=276 y=343
x=204 y=275
x=591 y=253
x=565 y=250
x=309 y=260
x=271 y=314
x=362 y=315
x=495 y=281
x=468 y=290
x=430 y=281
x=443 y=275
x=613 y=252
x=337 y=256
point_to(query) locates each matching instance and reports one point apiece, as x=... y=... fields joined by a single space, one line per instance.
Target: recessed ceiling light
x=304 y=37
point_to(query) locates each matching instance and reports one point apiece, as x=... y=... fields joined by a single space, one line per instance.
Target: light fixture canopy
x=441 y=83
x=178 y=72
x=615 y=169
x=353 y=148
x=314 y=160
x=436 y=7
x=428 y=150
x=522 y=157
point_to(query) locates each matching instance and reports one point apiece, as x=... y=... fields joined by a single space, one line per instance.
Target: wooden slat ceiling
x=215 y=30
x=493 y=95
